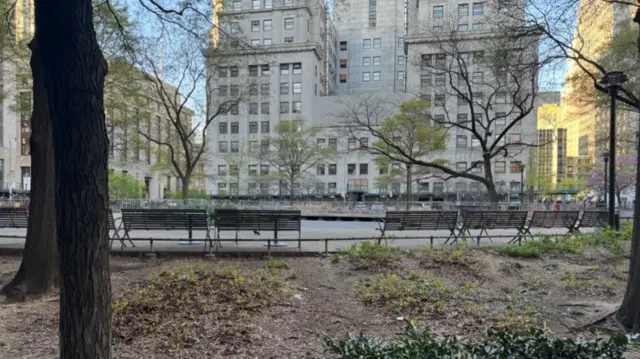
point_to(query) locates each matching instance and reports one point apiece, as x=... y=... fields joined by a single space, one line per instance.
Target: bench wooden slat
x=420 y=220
x=231 y=219
x=14 y=217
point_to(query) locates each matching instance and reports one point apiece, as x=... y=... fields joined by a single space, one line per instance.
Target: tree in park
x=293 y=151
x=38 y=272
x=556 y=21
x=409 y=134
x=625 y=175
x=125 y=186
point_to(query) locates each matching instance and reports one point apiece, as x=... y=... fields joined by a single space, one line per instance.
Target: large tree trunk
x=492 y=193
x=186 y=184
x=38 y=272
x=629 y=313
x=74 y=74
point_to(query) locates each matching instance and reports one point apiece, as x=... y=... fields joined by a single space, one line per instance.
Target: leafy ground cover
x=289 y=307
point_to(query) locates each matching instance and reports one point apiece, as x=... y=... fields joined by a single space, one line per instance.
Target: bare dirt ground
x=283 y=308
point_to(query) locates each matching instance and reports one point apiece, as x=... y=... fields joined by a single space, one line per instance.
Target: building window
x=441 y=59
x=284 y=88
x=333 y=188
x=288 y=23
x=366 y=76
x=233 y=71
x=478 y=78
x=235 y=128
x=222 y=128
x=320 y=143
x=401 y=60
x=320 y=170
x=333 y=169
x=366 y=43
x=501 y=97
x=223 y=146
x=264 y=89
x=264 y=127
x=264 y=170
x=253 y=170
x=288 y=40
x=515 y=138
x=253 y=89
x=501 y=119
x=222 y=90
x=377 y=43
x=461 y=141
x=366 y=61
x=255 y=42
x=234 y=90
x=364 y=168
x=372 y=13
x=255 y=4
x=463 y=9
x=376 y=61
x=514 y=167
x=266 y=42
x=253 y=145
x=351 y=169
x=297 y=68
x=425 y=81
x=475 y=142
x=478 y=8
x=463 y=27
x=343 y=63
x=400 y=75
x=235 y=146
x=264 y=146
x=343 y=78
x=253 y=108
x=376 y=76
x=264 y=108
x=236 y=6
x=222 y=170
x=333 y=143
x=264 y=69
x=462 y=118
x=284 y=69
x=364 y=142
x=440 y=99
x=401 y=42
x=461 y=166
x=235 y=27
x=284 y=107
x=253 y=70
x=477 y=26
x=501 y=167
x=438 y=12
x=297 y=87
x=268 y=4
x=267 y=25
x=234 y=109
x=343 y=46
x=255 y=26
x=296 y=107
x=288 y=3
x=351 y=143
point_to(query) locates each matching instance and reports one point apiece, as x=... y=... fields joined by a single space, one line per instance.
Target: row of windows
x=366 y=43
x=440 y=99
x=264 y=107
x=463 y=10
x=440 y=79
x=267 y=25
x=258 y=4
x=265 y=188
x=366 y=61
x=261 y=70
x=463 y=142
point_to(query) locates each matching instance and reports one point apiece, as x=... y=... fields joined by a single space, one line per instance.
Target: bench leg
x=299 y=242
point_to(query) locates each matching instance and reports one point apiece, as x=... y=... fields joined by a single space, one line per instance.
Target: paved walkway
x=314 y=233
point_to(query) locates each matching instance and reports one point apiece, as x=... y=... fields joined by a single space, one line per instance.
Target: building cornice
x=267 y=50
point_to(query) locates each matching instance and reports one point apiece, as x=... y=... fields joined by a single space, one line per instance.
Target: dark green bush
x=416 y=343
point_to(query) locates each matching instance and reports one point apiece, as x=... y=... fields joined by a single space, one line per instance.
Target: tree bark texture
x=186 y=186
x=38 y=272
x=629 y=313
x=489 y=184
x=74 y=71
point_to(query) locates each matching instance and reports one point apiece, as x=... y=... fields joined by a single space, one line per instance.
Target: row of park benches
x=458 y=223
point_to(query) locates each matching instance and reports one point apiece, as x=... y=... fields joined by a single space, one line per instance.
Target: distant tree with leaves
x=125 y=186
x=293 y=151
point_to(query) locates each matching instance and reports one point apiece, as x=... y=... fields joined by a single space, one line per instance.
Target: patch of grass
x=277 y=264
x=369 y=256
x=590 y=285
x=571 y=245
x=173 y=304
x=415 y=295
x=517 y=251
x=517 y=317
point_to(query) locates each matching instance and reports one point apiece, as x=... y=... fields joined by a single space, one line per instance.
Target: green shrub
x=277 y=264
x=370 y=256
x=571 y=245
x=415 y=295
x=523 y=251
x=416 y=343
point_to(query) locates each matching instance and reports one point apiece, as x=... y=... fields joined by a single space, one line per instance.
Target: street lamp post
x=522 y=183
x=605 y=157
x=613 y=80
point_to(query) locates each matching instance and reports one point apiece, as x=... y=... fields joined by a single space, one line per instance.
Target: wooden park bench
x=165 y=220
x=489 y=220
x=14 y=217
x=232 y=219
x=591 y=219
x=418 y=221
x=552 y=219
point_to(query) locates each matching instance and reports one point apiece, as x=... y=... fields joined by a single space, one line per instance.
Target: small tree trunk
x=489 y=184
x=629 y=313
x=74 y=73
x=408 y=206
x=186 y=184
x=38 y=272
x=292 y=180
